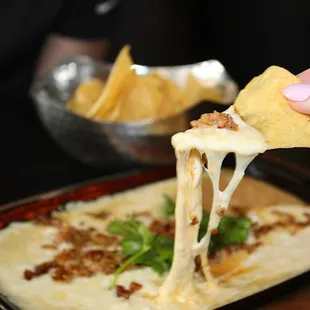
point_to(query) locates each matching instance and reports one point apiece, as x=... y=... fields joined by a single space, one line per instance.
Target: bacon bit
x=104 y=240
x=28 y=274
x=69 y=263
x=74 y=236
x=81 y=237
x=143 y=213
x=285 y=216
x=221 y=212
x=239 y=211
x=80 y=270
x=66 y=257
x=194 y=220
x=38 y=270
x=102 y=261
x=262 y=230
x=103 y=215
x=290 y=224
x=49 y=246
x=250 y=248
x=135 y=286
x=62 y=275
x=122 y=292
x=220 y=120
x=163 y=228
x=47 y=220
x=72 y=263
x=214 y=231
x=307 y=215
x=76 y=262
x=95 y=255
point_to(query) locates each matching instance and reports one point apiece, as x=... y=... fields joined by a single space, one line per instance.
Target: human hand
x=299 y=94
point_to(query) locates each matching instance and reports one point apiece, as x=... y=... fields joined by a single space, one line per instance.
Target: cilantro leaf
x=146 y=234
x=203 y=226
x=123 y=228
x=231 y=231
x=169 y=207
x=159 y=258
x=128 y=262
x=141 y=247
x=131 y=245
x=159 y=265
x=164 y=248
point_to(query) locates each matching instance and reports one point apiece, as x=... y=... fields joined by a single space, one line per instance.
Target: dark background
x=246 y=36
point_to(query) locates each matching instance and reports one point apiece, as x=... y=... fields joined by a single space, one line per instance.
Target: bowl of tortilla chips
x=103 y=114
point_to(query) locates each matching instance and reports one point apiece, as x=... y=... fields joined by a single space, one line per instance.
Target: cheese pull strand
x=191 y=147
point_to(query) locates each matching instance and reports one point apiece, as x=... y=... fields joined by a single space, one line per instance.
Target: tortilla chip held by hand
x=263 y=106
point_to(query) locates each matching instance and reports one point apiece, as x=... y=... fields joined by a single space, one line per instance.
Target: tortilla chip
x=85 y=96
x=174 y=99
x=150 y=96
x=141 y=100
x=117 y=111
x=263 y=106
x=195 y=91
x=115 y=85
x=127 y=97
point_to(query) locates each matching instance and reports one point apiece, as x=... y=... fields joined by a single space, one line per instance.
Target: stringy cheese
x=182 y=283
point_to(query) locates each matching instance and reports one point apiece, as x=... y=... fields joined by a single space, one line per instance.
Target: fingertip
x=301 y=107
x=298 y=92
x=305 y=76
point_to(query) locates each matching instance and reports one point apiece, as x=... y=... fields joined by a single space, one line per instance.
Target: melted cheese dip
x=21 y=248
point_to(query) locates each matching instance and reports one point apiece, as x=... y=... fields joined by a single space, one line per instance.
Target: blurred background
x=245 y=36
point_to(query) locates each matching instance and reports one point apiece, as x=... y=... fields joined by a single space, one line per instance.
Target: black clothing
x=29 y=159
x=24 y=26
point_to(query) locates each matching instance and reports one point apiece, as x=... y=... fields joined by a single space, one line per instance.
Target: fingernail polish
x=297 y=92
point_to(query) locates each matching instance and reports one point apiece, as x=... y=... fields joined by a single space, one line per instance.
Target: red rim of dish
x=21 y=211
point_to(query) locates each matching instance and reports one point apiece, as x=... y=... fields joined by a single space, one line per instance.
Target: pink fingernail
x=297 y=92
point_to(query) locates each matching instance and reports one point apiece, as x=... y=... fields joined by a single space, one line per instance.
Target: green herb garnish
x=231 y=230
x=140 y=246
x=169 y=207
x=203 y=226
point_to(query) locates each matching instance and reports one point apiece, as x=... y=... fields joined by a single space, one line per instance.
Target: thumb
x=299 y=97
